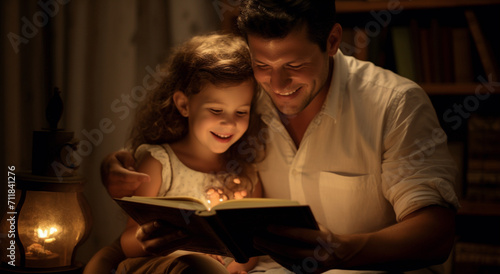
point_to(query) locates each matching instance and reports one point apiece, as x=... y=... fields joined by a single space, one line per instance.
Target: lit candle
x=46 y=233
x=44 y=236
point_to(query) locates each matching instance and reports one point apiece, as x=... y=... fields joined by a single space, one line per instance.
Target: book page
x=254 y=203
x=182 y=202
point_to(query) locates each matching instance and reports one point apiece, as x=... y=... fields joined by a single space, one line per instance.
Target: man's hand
x=300 y=250
x=423 y=238
x=160 y=238
x=119 y=176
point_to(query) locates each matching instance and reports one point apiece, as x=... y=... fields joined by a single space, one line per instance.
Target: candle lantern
x=51 y=217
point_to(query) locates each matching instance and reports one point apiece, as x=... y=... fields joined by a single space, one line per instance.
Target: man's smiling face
x=292 y=70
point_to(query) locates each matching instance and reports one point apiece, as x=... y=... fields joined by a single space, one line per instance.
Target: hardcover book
x=226 y=229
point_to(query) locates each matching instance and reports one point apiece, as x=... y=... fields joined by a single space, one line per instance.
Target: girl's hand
x=236 y=268
x=217 y=258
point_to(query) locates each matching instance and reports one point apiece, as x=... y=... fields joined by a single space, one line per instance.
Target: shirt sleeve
x=417 y=168
x=159 y=153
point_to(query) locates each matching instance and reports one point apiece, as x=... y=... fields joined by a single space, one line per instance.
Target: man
x=360 y=145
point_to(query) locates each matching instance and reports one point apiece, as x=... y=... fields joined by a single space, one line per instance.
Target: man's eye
x=260 y=66
x=294 y=66
x=216 y=111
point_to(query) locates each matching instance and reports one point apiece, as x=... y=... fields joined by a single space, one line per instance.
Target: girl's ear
x=181 y=102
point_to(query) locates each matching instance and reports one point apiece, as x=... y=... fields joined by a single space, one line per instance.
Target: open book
x=228 y=228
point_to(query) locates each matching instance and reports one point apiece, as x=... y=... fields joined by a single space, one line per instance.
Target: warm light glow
x=42 y=233
x=46 y=233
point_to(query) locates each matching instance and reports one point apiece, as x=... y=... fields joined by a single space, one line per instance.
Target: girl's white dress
x=180 y=180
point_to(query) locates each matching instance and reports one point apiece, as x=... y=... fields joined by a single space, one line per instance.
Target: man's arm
x=149 y=165
x=120 y=179
x=119 y=176
x=423 y=238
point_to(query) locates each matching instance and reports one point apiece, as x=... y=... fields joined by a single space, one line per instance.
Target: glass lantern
x=52 y=220
x=47 y=216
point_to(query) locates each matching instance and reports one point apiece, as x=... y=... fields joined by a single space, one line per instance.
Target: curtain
x=102 y=55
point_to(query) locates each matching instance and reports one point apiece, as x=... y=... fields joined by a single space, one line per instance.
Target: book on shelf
x=358 y=43
x=355 y=42
x=446 y=49
x=435 y=51
x=377 y=49
x=482 y=45
x=403 y=52
x=483 y=164
x=436 y=40
x=477 y=253
x=483 y=177
x=425 y=54
x=417 y=57
x=445 y=53
x=483 y=193
x=483 y=142
x=461 y=52
x=226 y=229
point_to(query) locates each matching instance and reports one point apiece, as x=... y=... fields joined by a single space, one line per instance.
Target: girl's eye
x=242 y=113
x=215 y=111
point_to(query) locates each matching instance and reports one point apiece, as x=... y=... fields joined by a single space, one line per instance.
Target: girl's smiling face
x=218 y=116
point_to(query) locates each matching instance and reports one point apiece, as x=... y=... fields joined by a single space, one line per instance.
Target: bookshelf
x=453 y=88
x=347 y=6
x=454 y=53
x=447 y=46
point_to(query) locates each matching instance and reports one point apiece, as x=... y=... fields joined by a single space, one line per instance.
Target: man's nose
x=279 y=81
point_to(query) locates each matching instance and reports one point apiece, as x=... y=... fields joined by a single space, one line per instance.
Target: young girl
x=195 y=135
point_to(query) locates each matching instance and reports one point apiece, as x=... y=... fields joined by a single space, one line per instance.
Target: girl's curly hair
x=219 y=59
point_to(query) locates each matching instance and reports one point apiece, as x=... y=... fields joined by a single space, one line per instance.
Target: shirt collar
x=333 y=102
x=267 y=110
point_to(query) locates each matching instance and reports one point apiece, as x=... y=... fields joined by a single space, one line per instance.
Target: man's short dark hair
x=277 y=18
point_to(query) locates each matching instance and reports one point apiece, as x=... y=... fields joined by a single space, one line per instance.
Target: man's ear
x=334 y=39
x=181 y=102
